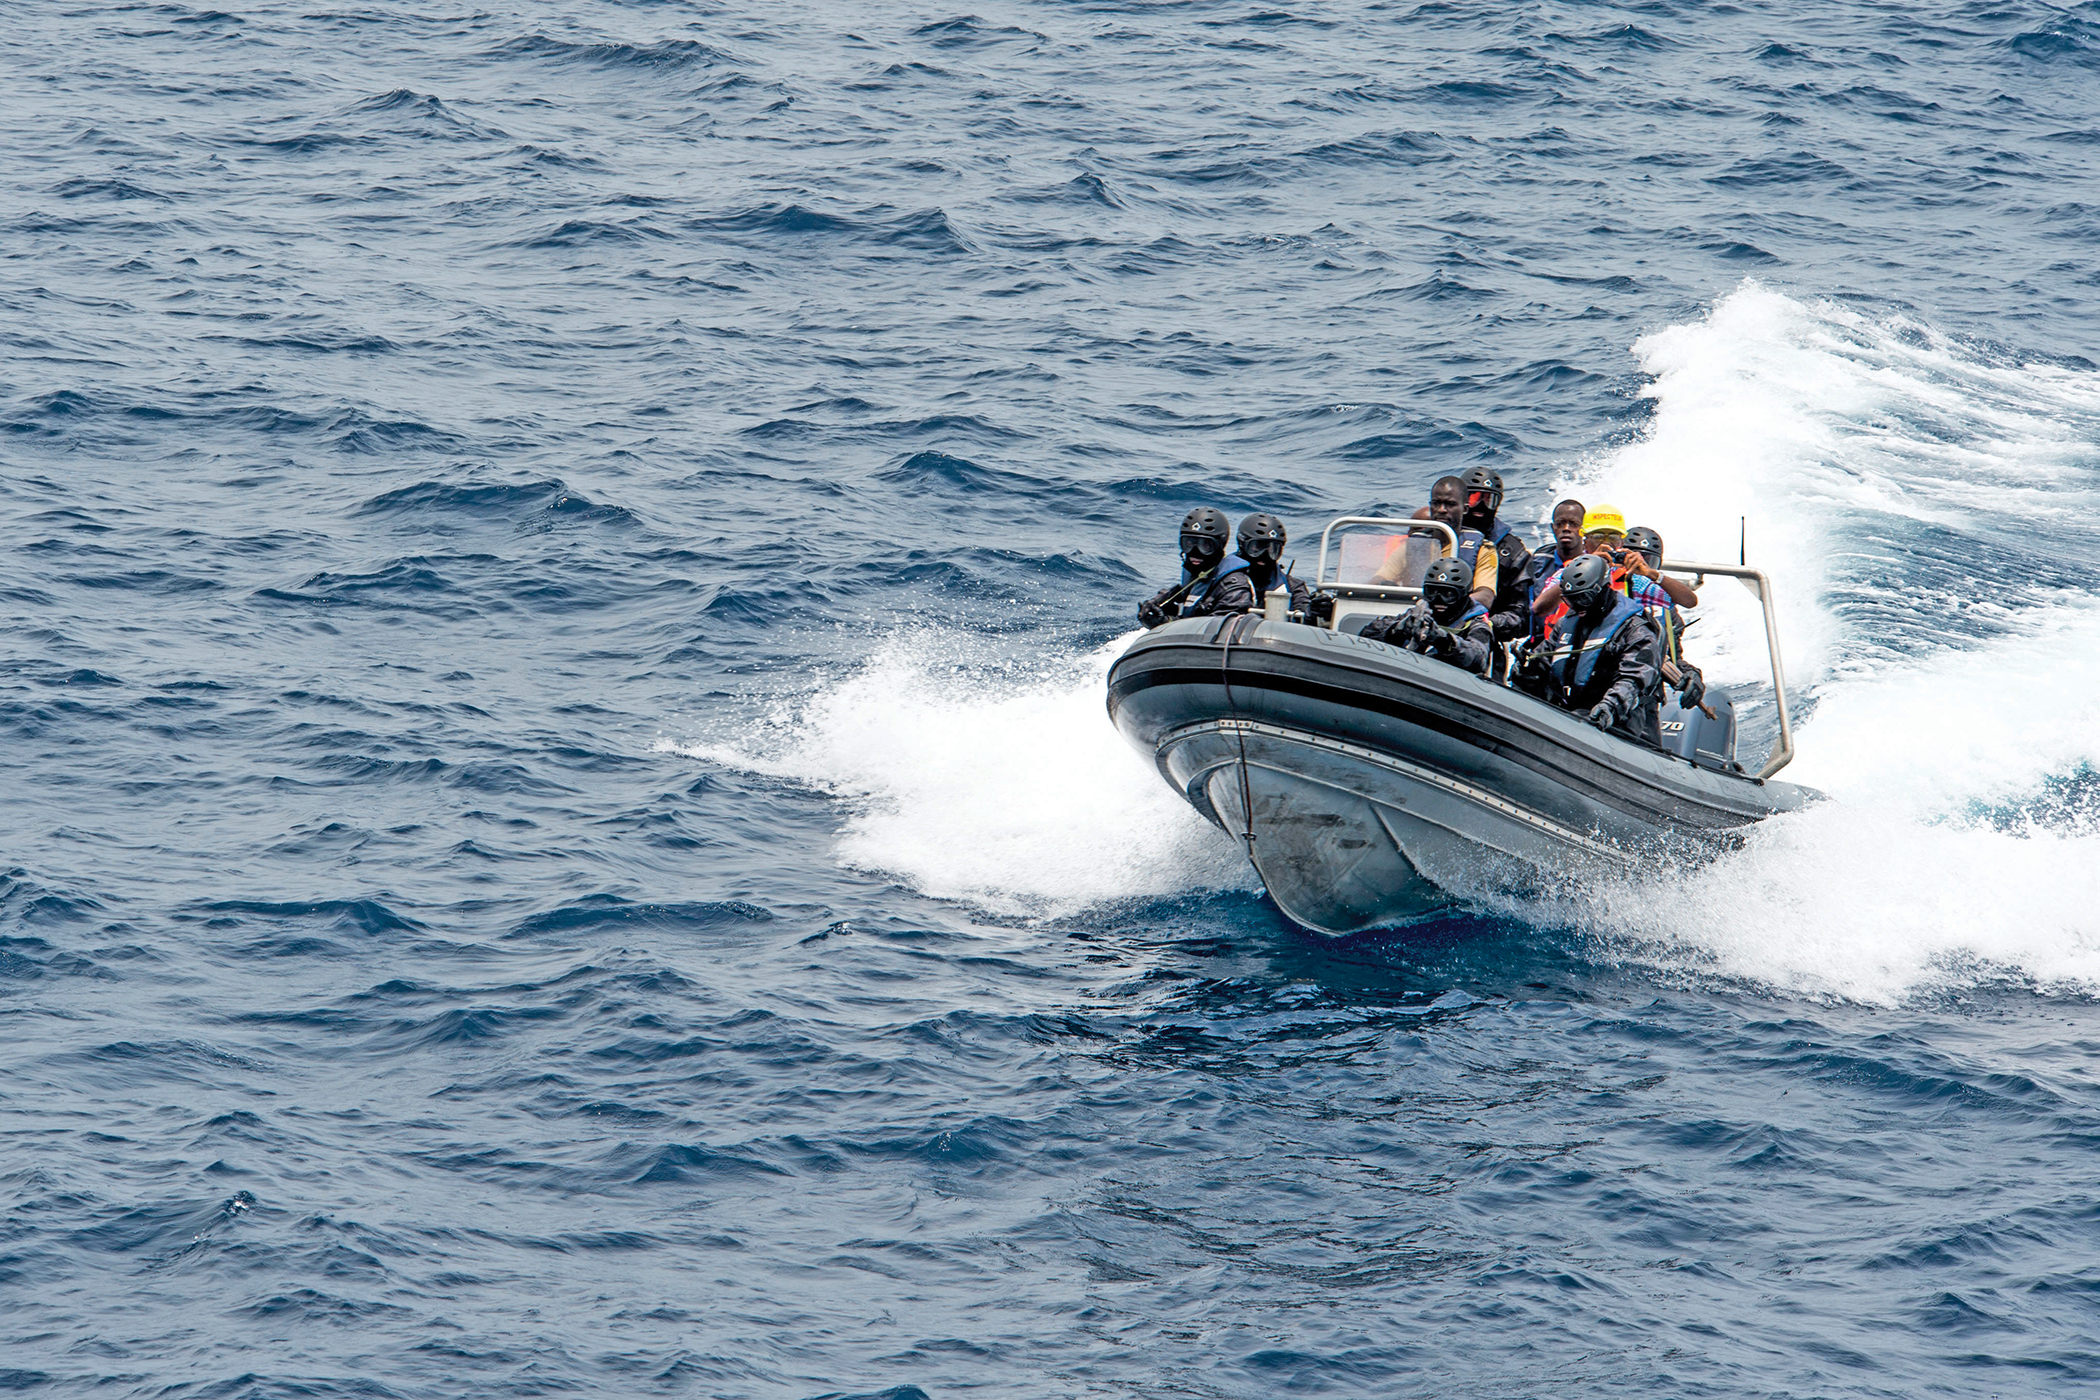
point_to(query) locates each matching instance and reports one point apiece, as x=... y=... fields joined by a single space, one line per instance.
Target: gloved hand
x=1510 y=625
x=1438 y=641
x=1151 y=613
x=1602 y=715
x=1320 y=607
x=1693 y=689
x=1528 y=671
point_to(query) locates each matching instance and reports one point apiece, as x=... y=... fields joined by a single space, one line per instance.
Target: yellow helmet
x=1603 y=518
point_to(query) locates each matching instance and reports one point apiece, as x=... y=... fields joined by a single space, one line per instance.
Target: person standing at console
x=1510 y=607
x=1509 y=611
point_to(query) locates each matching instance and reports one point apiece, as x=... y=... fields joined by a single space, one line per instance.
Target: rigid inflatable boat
x=1372 y=787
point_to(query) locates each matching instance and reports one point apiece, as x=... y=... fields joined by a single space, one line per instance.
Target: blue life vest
x=1542 y=565
x=1469 y=542
x=1495 y=539
x=1513 y=586
x=1286 y=584
x=1572 y=682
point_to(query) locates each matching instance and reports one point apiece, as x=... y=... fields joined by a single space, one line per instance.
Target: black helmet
x=1482 y=480
x=1586 y=582
x=1445 y=587
x=1204 y=532
x=1646 y=543
x=1262 y=539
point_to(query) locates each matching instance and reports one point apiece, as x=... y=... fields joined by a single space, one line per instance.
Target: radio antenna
x=1742 y=541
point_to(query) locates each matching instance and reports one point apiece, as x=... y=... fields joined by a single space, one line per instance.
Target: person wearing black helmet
x=1645 y=542
x=1261 y=541
x=1448 y=623
x=1204 y=566
x=1483 y=498
x=1669 y=594
x=1510 y=609
x=1601 y=661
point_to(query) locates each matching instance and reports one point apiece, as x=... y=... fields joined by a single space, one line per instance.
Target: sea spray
x=969 y=779
x=1878 y=470
x=1900 y=489
x=1958 y=841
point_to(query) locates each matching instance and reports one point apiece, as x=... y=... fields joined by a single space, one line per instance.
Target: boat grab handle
x=1754 y=579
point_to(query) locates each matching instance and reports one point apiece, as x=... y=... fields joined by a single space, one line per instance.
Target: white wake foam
x=1825 y=435
x=973 y=781
x=1832 y=433
x=1941 y=858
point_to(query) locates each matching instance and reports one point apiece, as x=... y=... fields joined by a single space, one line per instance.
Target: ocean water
x=560 y=832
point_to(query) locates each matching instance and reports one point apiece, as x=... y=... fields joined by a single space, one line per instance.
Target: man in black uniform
x=1511 y=607
x=1448 y=624
x=1204 y=564
x=1601 y=661
x=1262 y=538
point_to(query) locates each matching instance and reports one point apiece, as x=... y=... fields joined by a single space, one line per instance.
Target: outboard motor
x=1689 y=734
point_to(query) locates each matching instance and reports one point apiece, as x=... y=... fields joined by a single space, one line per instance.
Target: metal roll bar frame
x=1752 y=579
x=1761 y=588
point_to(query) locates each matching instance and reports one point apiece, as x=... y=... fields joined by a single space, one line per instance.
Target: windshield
x=1379 y=552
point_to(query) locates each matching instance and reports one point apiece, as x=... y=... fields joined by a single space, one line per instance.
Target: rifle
x=1173 y=600
x=1421 y=623
x=1675 y=677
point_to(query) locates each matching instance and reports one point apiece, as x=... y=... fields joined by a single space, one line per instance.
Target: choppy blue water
x=560 y=837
